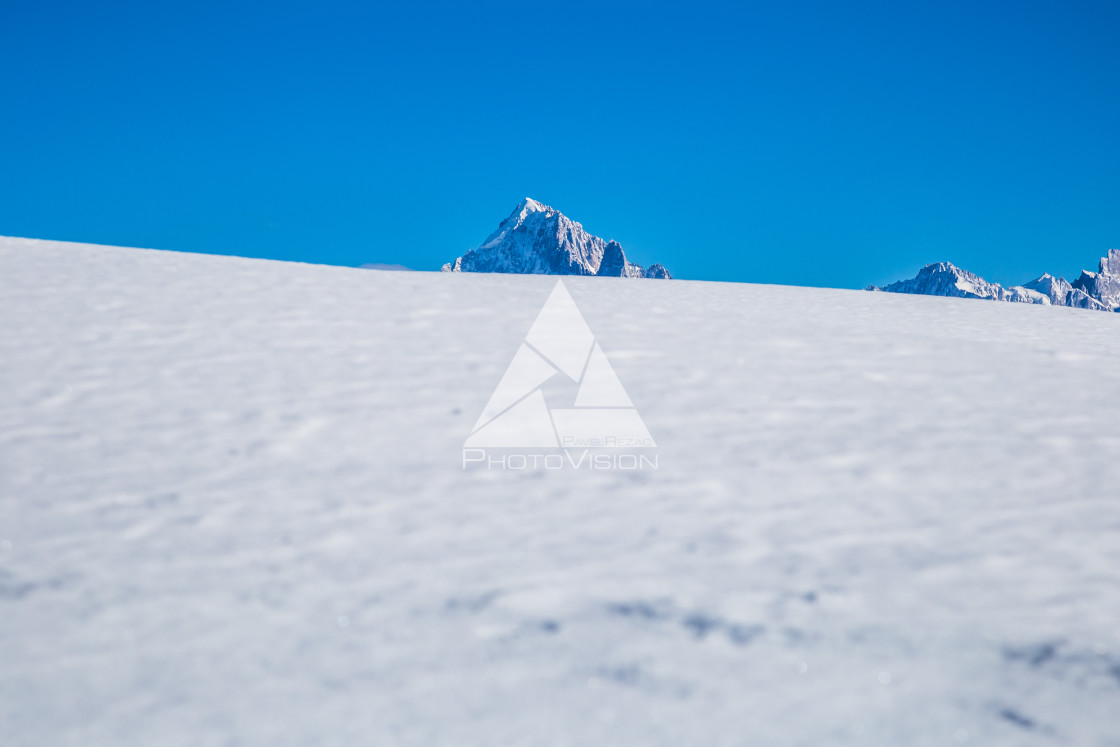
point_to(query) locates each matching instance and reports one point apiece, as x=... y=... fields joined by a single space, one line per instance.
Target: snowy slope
x=232 y=512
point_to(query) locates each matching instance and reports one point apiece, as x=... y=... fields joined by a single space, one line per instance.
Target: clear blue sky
x=813 y=143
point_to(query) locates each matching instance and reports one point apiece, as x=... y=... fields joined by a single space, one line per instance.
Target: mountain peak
x=527 y=207
x=532 y=205
x=1110 y=263
x=1099 y=291
x=946 y=279
x=1103 y=285
x=936 y=267
x=538 y=239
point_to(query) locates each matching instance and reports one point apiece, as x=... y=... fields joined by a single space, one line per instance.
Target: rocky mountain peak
x=538 y=239
x=1093 y=290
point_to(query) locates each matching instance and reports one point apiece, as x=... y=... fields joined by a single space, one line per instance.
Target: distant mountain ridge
x=1099 y=291
x=540 y=240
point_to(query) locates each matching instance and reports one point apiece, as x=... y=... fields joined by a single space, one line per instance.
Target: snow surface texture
x=232 y=512
x=1098 y=291
x=537 y=239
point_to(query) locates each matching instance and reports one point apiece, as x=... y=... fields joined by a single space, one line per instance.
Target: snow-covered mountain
x=1104 y=284
x=1099 y=291
x=1061 y=293
x=539 y=240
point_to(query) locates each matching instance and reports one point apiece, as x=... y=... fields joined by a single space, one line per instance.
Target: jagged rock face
x=946 y=279
x=656 y=270
x=1078 y=298
x=1061 y=293
x=1099 y=291
x=537 y=239
x=1056 y=289
x=1110 y=264
x=614 y=264
x=1103 y=285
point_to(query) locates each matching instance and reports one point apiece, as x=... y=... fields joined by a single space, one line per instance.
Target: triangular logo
x=559 y=342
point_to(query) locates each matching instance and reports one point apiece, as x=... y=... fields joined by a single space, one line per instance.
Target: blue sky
x=805 y=143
